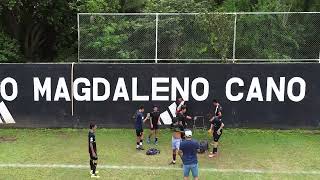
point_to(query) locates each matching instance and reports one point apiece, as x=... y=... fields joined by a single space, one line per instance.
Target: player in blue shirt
x=139 y=127
x=188 y=152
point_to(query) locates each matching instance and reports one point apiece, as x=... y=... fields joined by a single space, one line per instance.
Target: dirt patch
x=7 y=139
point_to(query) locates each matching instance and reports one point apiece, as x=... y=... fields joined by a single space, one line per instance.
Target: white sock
x=140 y=143
x=138 y=146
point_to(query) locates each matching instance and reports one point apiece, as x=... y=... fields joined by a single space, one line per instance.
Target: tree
x=9 y=49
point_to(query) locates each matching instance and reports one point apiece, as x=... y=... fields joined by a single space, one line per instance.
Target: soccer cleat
x=97 y=172
x=211 y=155
x=172 y=163
x=94 y=176
x=141 y=148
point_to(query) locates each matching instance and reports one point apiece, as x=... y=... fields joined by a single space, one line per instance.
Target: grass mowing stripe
x=73 y=166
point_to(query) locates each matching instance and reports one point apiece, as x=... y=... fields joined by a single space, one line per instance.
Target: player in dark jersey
x=154 y=124
x=216 y=127
x=139 y=127
x=93 y=150
x=182 y=118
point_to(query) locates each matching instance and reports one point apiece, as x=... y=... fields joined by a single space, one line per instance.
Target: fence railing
x=223 y=37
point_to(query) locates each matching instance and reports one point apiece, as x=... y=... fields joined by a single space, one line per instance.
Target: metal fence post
x=234 y=37
x=78 y=24
x=156 y=48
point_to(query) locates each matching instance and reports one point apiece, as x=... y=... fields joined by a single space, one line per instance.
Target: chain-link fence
x=224 y=37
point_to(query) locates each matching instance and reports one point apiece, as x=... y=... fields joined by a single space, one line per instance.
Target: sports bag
x=204 y=146
x=152 y=151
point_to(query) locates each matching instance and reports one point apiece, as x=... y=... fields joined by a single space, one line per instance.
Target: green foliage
x=9 y=49
x=44 y=29
x=97 y=6
x=182 y=6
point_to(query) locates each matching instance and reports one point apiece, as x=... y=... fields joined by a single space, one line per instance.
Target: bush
x=9 y=49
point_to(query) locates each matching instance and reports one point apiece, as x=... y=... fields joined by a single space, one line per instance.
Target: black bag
x=153 y=151
x=204 y=146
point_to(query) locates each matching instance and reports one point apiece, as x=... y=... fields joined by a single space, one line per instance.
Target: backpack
x=152 y=151
x=204 y=146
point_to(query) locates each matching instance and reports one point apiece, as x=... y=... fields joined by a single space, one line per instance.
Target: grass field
x=244 y=154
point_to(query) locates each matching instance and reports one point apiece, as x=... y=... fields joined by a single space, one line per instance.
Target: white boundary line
x=73 y=166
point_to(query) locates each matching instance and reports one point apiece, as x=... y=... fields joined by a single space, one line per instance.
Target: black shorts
x=154 y=126
x=139 y=132
x=93 y=158
x=216 y=137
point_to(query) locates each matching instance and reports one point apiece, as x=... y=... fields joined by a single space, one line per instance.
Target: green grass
x=268 y=150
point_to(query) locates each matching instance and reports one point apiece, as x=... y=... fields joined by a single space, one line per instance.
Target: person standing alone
x=93 y=150
x=188 y=152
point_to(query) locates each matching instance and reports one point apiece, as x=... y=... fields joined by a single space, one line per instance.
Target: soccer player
x=188 y=153
x=216 y=127
x=93 y=150
x=154 y=124
x=138 y=125
x=176 y=140
x=182 y=117
x=178 y=132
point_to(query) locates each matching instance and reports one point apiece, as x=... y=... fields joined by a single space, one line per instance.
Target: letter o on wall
x=14 y=89
x=302 y=92
x=194 y=84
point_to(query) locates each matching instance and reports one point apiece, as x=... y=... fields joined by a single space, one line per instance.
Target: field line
x=168 y=168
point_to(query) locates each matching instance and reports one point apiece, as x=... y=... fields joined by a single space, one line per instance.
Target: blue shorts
x=193 y=168
x=175 y=143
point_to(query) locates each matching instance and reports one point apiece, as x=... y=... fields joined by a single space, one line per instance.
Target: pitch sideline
x=73 y=166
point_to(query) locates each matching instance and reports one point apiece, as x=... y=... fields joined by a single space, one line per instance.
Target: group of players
x=179 y=126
